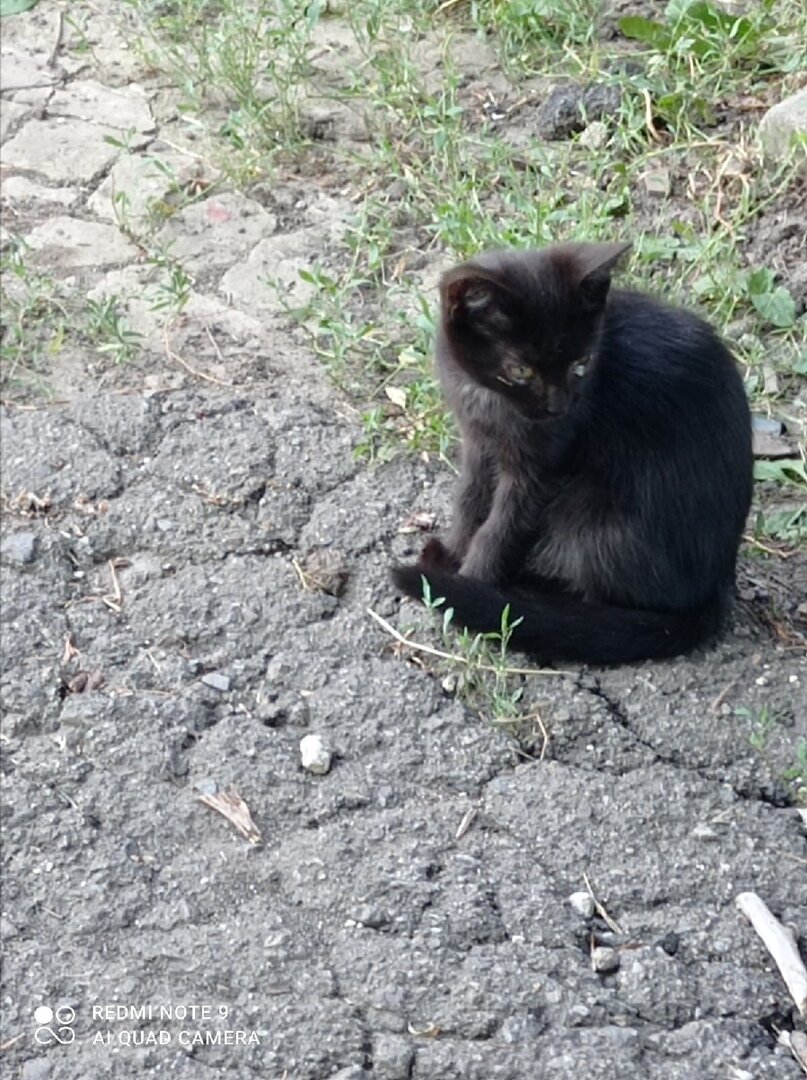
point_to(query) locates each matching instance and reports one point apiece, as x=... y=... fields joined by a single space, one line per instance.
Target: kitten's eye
x=520 y=374
x=579 y=370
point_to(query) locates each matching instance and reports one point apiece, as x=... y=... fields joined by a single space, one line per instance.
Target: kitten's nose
x=557 y=400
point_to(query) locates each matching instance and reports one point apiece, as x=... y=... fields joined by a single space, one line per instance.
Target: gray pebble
x=19 y=548
x=571 y=106
x=519 y=1029
x=217 y=681
x=372 y=917
x=604 y=960
x=314 y=754
x=7 y=927
x=582 y=904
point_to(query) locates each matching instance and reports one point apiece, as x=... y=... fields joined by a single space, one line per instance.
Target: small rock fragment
x=767 y=424
x=704 y=832
x=669 y=943
x=19 y=548
x=657 y=182
x=314 y=754
x=217 y=681
x=595 y=136
x=519 y=1030
x=372 y=917
x=7 y=927
x=571 y=107
x=781 y=124
x=582 y=904
x=604 y=960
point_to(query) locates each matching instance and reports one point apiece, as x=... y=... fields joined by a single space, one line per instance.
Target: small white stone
x=595 y=135
x=782 y=124
x=703 y=832
x=604 y=960
x=582 y=904
x=217 y=681
x=315 y=755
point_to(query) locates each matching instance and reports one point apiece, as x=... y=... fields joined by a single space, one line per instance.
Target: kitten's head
x=526 y=324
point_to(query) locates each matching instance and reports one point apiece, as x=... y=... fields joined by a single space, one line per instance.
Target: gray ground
x=149 y=541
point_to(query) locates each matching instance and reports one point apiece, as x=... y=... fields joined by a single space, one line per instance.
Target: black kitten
x=606 y=460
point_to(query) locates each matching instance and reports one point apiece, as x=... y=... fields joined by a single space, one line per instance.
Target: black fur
x=605 y=506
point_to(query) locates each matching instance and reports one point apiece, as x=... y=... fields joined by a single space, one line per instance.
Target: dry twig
x=724 y=693
x=780 y=942
x=648 y=118
x=466 y=823
x=752 y=540
x=169 y=352
x=57 y=44
x=796 y=1043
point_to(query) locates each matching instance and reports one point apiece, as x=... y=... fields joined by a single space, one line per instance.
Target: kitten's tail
x=562 y=627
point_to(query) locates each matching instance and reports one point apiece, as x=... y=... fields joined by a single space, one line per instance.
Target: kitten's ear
x=595 y=263
x=475 y=299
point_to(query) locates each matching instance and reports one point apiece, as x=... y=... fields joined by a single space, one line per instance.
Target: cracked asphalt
x=407 y=915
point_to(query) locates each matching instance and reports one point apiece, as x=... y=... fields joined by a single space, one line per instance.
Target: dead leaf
x=96 y=679
x=230 y=805
x=83 y=681
x=70 y=649
x=419 y=521
x=78 y=684
x=397 y=395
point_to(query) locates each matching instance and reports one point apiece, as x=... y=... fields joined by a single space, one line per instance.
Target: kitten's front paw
x=436 y=556
x=477 y=565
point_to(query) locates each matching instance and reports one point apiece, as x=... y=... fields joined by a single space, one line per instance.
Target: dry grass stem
x=169 y=352
x=454 y=657
x=780 y=941
x=467 y=821
x=612 y=924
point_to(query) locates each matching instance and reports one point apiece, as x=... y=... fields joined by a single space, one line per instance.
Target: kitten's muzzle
x=556 y=400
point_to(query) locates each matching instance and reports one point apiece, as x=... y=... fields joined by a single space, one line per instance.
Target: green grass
x=445 y=172
x=767 y=739
x=439 y=179
x=42 y=316
x=477 y=668
x=33 y=315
